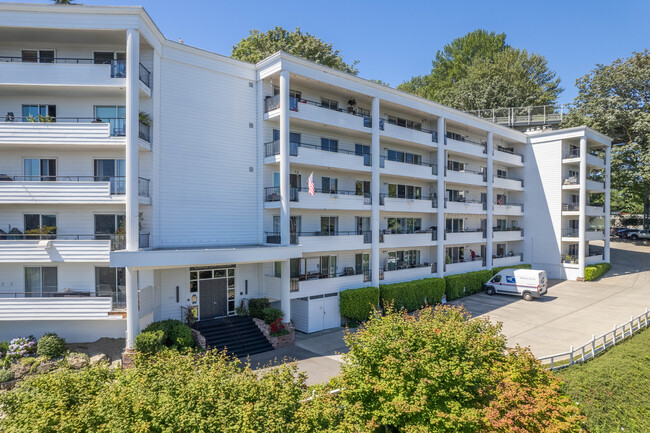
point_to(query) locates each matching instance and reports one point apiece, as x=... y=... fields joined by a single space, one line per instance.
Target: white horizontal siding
x=52 y=251
x=81 y=308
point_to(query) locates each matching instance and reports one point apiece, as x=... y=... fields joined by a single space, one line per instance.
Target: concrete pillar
x=284 y=159
x=132 y=201
x=582 y=247
x=490 y=206
x=285 y=301
x=374 y=192
x=608 y=151
x=440 y=192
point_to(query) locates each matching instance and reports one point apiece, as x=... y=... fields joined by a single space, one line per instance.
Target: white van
x=527 y=283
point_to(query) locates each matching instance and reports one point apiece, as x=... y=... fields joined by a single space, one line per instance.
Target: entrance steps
x=240 y=335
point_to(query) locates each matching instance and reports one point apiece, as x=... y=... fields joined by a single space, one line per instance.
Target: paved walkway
x=568 y=315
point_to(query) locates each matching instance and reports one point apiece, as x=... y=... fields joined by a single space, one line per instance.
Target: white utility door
x=324 y=312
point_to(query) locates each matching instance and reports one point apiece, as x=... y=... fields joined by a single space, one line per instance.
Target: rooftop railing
x=524 y=116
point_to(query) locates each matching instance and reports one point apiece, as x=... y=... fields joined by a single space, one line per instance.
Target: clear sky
x=395 y=40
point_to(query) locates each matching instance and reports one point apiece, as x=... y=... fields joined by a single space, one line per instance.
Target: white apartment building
x=140 y=177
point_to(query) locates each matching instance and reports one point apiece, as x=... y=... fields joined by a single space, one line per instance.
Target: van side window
x=497 y=279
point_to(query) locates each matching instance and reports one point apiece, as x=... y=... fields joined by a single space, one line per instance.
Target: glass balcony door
x=113 y=114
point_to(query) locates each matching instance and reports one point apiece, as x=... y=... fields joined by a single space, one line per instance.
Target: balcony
x=467 y=236
x=570 y=207
x=510 y=209
x=593 y=209
x=315 y=112
x=570 y=183
x=421 y=204
x=593 y=159
x=315 y=285
x=469 y=177
x=413 y=273
x=508 y=156
x=145 y=76
x=63 y=131
x=594 y=258
x=467 y=206
x=570 y=233
x=507 y=260
x=466 y=266
x=466 y=146
x=315 y=155
x=573 y=156
x=321 y=200
x=62 y=71
x=406 y=240
x=339 y=241
x=410 y=135
x=54 y=249
x=59 y=306
x=423 y=170
x=594 y=234
x=508 y=235
x=144 y=132
x=508 y=183
x=595 y=185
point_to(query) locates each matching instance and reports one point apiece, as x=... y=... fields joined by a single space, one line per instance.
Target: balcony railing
x=144 y=132
x=118 y=183
x=118 y=297
x=570 y=207
x=510 y=205
x=516 y=179
x=434 y=167
x=118 y=241
x=571 y=153
x=117 y=129
x=507 y=150
x=573 y=180
x=433 y=199
x=272 y=148
x=272 y=193
x=143 y=240
x=570 y=232
x=144 y=187
x=465 y=201
x=145 y=76
x=460 y=138
x=118 y=67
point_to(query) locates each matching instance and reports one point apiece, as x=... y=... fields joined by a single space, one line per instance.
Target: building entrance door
x=213 y=298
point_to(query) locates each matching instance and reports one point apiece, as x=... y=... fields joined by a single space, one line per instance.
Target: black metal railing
x=117 y=183
x=145 y=76
x=117 y=241
x=118 y=67
x=571 y=232
x=117 y=124
x=118 y=298
x=570 y=207
x=460 y=138
x=144 y=132
x=272 y=148
x=272 y=193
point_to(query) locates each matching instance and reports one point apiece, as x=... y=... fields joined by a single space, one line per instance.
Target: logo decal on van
x=510 y=280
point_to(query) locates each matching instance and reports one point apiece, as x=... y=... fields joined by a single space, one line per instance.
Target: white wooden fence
x=597 y=345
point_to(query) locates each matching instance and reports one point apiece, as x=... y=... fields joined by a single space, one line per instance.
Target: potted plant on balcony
x=145 y=118
x=48 y=231
x=568 y=258
x=351 y=103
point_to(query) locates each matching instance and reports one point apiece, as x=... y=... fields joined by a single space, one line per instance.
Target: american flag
x=310 y=184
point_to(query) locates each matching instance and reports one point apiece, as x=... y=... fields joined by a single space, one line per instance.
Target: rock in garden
x=77 y=363
x=44 y=367
x=99 y=358
x=20 y=370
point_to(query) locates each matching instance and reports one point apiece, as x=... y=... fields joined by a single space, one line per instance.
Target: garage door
x=316 y=313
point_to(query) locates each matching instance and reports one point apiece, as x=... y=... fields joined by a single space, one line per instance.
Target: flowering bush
x=278 y=328
x=20 y=347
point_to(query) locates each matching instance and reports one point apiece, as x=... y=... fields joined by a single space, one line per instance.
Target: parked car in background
x=638 y=234
x=613 y=230
x=623 y=233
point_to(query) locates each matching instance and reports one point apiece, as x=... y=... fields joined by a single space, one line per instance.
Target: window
x=277 y=269
x=574 y=224
x=39 y=170
x=329 y=145
x=39 y=113
x=404 y=225
x=329 y=103
x=404 y=191
x=328 y=266
x=501 y=250
x=109 y=224
x=117 y=60
x=455 y=165
x=502 y=174
x=457 y=195
x=501 y=225
x=361 y=263
x=113 y=114
x=40 y=281
x=329 y=185
x=455 y=254
x=38 y=56
x=496 y=279
x=572 y=249
x=111 y=282
x=405 y=123
x=454 y=225
x=403 y=259
x=409 y=158
x=113 y=171
x=502 y=199
x=363 y=150
x=294 y=142
x=36 y=224
x=329 y=225
x=455 y=136
x=362 y=225
x=362 y=187
x=573 y=173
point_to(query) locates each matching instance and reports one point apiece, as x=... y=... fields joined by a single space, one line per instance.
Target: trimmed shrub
x=357 y=304
x=522 y=266
x=272 y=315
x=595 y=271
x=459 y=285
x=413 y=295
x=256 y=307
x=176 y=334
x=6 y=375
x=50 y=346
x=150 y=342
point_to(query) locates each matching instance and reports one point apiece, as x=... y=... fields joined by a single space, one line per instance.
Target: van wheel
x=634 y=237
x=490 y=290
x=527 y=296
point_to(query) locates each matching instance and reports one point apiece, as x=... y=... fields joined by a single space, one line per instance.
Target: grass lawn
x=613 y=389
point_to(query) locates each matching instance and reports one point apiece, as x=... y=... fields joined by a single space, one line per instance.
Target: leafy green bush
x=50 y=346
x=150 y=342
x=256 y=307
x=459 y=285
x=500 y=268
x=6 y=375
x=176 y=334
x=272 y=314
x=595 y=271
x=413 y=295
x=356 y=304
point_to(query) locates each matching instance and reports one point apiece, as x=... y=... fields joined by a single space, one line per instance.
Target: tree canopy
x=615 y=100
x=258 y=46
x=481 y=71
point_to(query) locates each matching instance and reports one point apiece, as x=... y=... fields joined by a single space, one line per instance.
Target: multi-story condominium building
x=142 y=178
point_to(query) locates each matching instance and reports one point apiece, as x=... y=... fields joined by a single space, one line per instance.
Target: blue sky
x=394 y=40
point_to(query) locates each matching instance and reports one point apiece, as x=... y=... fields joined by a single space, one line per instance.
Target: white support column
x=284 y=159
x=582 y=224
x=608 y=216
x=490 y=206
x=132 y=200
x=374 y=192
x=440 y=192
x=285 y=301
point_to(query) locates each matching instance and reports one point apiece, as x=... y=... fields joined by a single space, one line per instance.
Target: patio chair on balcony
x=10 y=117
x=348 y=271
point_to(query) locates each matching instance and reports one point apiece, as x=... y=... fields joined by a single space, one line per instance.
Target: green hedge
x=522 y=266
x=459 y=285
x=256 y=307
x=176 y=334
x=356 y=304
x=413 y=295
x=594 y=271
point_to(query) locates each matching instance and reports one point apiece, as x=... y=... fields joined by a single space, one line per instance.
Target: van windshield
x=496 y=279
